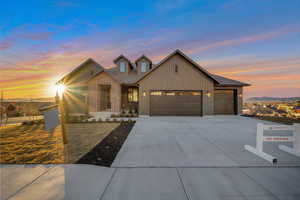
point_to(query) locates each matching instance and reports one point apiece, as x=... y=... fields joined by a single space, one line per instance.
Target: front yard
x=82 y=137
x=30 y=144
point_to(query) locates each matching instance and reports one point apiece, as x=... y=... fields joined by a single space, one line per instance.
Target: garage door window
x=175 y=93
x=156 y=93
x=170 y=93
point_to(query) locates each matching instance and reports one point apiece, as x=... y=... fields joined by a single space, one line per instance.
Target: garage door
x=176 y=103
x=224 y=102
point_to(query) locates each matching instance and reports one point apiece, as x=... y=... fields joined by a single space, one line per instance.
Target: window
x=143 y=67
x=132 y=94
x=176 y=68
x=122 y=67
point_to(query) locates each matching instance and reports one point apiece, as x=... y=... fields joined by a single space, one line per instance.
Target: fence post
x=295 y=150
x=259 y=136
x=258 y=150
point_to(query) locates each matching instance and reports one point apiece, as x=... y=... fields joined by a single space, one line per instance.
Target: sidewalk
x=90 y=182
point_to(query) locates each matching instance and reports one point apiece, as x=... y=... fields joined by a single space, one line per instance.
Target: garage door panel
x=180 y=104
x=224 y=102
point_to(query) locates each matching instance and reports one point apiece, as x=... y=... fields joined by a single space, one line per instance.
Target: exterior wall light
x=240 y=95
x=144 y=93
x=208 y=94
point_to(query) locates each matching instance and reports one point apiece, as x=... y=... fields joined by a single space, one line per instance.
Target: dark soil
x=104 y=153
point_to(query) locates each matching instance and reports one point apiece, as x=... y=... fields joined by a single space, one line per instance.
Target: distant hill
x=254 y=99
x=46 y=99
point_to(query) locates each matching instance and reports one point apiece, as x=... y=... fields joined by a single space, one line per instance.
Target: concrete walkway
x=88 y=182
x=178 y=158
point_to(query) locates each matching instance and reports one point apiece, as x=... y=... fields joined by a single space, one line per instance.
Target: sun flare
x=60 y=89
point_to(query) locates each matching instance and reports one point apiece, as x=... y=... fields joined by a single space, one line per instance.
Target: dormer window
x=122 y=67
x=143 y=67
x=143 y=64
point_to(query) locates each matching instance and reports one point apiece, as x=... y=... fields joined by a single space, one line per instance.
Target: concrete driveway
x=168 y=158
x=212 y=141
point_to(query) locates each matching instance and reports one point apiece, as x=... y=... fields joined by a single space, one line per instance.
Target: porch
x=107 y=99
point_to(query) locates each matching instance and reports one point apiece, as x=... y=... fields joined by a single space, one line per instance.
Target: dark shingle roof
x=228 y=82
x=70 y=76
x=133 y=77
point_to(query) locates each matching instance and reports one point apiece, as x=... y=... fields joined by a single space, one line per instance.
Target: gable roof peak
x=67 y=76
x=143 y=56
x=177 y=51
x=121 y=56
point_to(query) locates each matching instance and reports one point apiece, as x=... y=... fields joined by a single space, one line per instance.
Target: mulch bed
x=104 y=153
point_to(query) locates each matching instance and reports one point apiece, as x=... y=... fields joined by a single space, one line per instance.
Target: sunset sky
x=255 y=41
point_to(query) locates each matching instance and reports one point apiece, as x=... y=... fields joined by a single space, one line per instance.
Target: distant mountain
x=253 y=99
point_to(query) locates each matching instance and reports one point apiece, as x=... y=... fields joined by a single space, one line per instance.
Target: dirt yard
x=82 y=137
x=28 y=144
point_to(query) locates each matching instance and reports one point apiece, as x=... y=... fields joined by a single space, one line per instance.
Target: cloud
x=54 y=61
x=197 y=48
x=37 y=36
x=5 y=45
x=24 y=33
x=253 y=65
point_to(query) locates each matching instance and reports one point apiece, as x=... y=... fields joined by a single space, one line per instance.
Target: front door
x=105 y=104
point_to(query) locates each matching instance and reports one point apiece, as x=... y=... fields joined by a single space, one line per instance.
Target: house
x=175 y=86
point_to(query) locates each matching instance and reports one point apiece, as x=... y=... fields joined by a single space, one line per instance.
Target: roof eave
x=233 y=85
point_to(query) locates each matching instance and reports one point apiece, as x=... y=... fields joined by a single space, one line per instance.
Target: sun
x=56 y=89
x=60 y=88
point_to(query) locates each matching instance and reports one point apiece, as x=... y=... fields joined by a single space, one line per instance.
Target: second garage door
x=224 y=102
x=176 y=103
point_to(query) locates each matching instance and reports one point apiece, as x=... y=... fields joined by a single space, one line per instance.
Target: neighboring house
x=175 y=86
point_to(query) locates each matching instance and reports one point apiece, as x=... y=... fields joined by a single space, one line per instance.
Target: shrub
x=11 y=107
x=25 y=123
x=123 y=112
